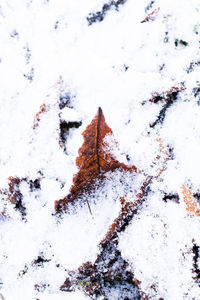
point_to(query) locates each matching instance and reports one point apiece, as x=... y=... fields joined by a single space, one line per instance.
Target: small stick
x=89 y=206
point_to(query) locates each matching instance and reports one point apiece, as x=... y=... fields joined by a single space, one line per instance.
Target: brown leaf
x=162 y=157
x=166 y=96
x=169 y=94
x=191 y=204
x=93 y=162
x=43 y=108
x=13 y=193
x=152 y=16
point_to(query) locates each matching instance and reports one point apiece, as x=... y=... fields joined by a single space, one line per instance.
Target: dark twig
x=196 y=250
x=168 y=98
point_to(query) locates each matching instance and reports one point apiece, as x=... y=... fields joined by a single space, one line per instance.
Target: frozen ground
x=71 y=57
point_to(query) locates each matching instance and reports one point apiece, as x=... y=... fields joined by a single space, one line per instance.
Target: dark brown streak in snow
x=97 y=138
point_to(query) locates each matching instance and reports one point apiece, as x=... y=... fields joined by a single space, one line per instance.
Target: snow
x=158 y=244
x=48 y=49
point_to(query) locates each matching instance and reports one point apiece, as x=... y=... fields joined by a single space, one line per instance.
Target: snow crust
x=48 y=49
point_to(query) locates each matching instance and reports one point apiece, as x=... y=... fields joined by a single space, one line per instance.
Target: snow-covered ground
x=59 y=61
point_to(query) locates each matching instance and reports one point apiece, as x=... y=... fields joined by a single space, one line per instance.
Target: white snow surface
x=48 y=49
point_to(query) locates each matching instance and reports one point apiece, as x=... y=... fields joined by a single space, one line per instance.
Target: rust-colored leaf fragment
x=43 y=108
x=168 y=95
x=162 y=157
x=191 y=204
x=152 y=16
x=14 y=191
x=93 y=162
x=14 y=195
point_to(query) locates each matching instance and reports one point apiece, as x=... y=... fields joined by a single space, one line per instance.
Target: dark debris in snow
x=100 y=15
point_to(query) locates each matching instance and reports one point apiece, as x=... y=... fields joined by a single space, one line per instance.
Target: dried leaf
x=192 y=205
x=43 y=108
x=168 y=95
x=14 y=195
x=162 y=157
x=46 y=106
x=152 y=16
x=14 y=191
x=93 y=162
